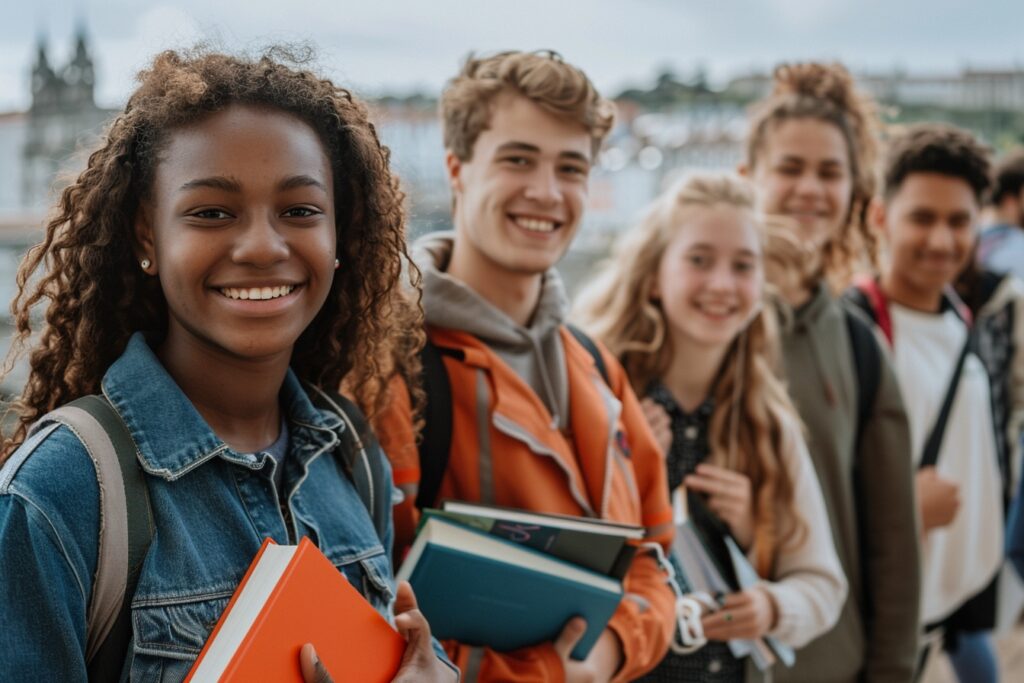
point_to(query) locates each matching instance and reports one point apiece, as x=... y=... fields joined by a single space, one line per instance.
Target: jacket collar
x=808 y=313
x=171 y=436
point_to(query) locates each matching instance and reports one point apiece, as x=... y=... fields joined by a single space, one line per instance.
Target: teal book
x=602 y=546
x=484 y=590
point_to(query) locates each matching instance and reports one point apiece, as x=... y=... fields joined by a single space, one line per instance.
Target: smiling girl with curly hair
x=232 y=252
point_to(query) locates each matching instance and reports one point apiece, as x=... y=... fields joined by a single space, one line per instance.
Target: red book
x=290 y=596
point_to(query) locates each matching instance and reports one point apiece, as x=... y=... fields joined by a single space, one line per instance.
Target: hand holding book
x=600 y=665
x=728 y=496
x=745 y=615
x=419 y=663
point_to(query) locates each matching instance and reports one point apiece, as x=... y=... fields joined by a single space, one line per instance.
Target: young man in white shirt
x=935 y=178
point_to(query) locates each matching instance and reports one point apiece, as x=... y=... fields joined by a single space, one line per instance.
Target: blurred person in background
x=996 y=303
x=681 y=303
x=934 y=180
x=811 y=150
x=1001 y=243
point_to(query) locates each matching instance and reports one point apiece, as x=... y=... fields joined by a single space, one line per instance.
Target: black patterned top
x=713 y=663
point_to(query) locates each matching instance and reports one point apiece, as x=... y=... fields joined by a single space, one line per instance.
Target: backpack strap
x=126 y=528
x=930 y=456
x=867 y=295
x=591 y=346
x=867 y=365
x=436 y=438
x=360 y=455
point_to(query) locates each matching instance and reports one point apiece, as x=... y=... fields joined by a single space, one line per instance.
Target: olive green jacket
x=869 y=494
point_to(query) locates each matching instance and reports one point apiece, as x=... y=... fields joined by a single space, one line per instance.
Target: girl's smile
x=710 y=277
x=241 y=231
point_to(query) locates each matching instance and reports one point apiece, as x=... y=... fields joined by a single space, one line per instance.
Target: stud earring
x=337 y=264
x=145 y=263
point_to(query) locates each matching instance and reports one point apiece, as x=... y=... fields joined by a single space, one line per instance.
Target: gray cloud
x=392 y=46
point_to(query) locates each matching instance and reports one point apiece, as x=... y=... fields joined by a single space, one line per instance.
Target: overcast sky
x=397 y=45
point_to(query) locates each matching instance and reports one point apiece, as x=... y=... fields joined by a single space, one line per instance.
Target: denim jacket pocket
x=169 y=634
x=371 y=576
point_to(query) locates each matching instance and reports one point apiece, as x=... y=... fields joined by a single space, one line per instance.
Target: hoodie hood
x=535 y=351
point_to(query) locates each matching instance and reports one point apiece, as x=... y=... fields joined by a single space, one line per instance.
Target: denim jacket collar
x=172 y=437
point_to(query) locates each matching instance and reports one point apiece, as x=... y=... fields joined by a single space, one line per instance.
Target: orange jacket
x=608 y=466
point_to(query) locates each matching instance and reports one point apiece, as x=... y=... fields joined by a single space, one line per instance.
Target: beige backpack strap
x=111 y=577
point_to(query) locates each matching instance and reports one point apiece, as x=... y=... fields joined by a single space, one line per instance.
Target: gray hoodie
x=535 y=352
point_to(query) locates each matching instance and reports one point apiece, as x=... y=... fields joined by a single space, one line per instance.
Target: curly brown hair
x=826 y=92
x=937 y=148
x=96 y=297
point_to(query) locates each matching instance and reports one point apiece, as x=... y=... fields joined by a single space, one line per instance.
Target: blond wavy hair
x=752 y=408
x=826 y=92
x=542 y=77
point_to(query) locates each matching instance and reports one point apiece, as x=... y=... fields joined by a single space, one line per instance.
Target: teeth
x=535 y=224
x=256 y=293
x=716 y=310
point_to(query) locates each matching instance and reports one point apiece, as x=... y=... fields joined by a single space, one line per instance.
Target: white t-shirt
x=962 y=558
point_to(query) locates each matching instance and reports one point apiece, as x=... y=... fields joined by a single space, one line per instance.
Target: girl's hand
x=660 y=422
x=729 y=496
x=604 y=660
x=313 y=669
x=745 y=615
x=419 y=663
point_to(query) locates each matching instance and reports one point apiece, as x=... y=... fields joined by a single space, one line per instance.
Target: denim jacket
x=212 y=507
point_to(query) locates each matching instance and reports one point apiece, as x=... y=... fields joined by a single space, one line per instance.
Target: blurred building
x=39 y=149
x=40 y=146
x=675 y=125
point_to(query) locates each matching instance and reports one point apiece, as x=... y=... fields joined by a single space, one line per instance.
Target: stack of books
x=507 y=579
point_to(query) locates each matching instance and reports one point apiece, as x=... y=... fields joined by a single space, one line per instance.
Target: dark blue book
x=597 y=544
x=481 y=589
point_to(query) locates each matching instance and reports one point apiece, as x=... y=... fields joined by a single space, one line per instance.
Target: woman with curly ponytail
x=231 y=254
x=811 y=155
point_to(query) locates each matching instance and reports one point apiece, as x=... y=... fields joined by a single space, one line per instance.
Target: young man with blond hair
x=536 y=422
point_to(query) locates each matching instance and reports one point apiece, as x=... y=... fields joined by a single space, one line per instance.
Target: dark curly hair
x=937 y=148
x=96 y=297
x=1008 y=177
x=826 y=92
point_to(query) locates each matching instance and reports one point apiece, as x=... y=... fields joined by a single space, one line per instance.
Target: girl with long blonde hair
x=681 y=303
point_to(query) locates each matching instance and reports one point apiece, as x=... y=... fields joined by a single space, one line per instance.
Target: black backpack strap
x=867 y=365
x=436 y=437
x=930 y=455
x=867 y=370
x=856 y=297
x=108 y=663
x=591 y=346
x=361 y=456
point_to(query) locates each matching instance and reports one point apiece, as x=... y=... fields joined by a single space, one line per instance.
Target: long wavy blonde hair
x=751 y=404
